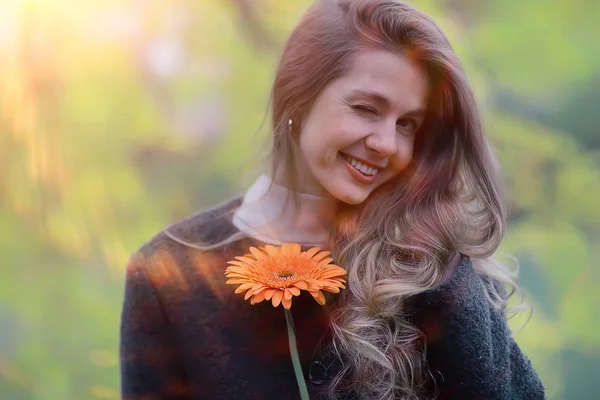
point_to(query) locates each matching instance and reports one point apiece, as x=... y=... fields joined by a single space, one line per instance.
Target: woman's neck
x=268 y=213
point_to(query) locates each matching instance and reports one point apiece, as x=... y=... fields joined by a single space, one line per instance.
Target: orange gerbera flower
x=280 y=273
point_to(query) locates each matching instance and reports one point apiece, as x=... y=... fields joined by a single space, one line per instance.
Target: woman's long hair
x=449 y=199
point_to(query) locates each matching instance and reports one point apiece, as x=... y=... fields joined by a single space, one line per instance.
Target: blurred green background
x=118 y=117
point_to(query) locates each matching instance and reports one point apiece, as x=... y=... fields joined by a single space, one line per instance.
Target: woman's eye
x=407 y=125
x=365 y=109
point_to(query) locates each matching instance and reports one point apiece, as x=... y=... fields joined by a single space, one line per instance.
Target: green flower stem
x=295 y=357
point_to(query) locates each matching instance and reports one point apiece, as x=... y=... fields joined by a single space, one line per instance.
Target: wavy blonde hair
x=396 y=244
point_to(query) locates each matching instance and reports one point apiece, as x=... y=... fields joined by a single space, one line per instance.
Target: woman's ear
x=295 y=127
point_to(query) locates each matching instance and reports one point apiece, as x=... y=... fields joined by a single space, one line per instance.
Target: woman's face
x=360 y=131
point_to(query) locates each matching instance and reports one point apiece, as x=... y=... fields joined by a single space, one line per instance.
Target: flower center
x=285 y=274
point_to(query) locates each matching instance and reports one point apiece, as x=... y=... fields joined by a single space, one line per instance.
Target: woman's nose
x=384 y=141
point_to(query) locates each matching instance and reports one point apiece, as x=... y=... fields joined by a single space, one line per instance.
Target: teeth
x=362 y=167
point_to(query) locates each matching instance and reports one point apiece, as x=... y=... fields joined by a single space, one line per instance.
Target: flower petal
x=248 y=295
x=236 y=275
x=311 y=252
x=244 y=286
x=269 y=293
x=238 y=269
x=333 y=267
x=272 y=251
x=319 y=297
x=339 y=284
x=295 y=291
x=313 y=284
x=287 y=294
x=277 y=296
x=258 y=287
x=258 y=254
x=331 y=274
x=246 y=259
x=321 y=256
x=287 y=303
x=326 y=261
x=257 y=298
x=291 y=248
x=331 y=289
x=300 y=285
x=235 y=281
x=239 y=264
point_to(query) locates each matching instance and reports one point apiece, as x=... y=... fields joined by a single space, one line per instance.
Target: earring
x=290 y=124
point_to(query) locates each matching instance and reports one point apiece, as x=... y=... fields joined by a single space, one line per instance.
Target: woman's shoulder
x=198 y=230
x=177 y=245
x=469 y=342
x=464 y=295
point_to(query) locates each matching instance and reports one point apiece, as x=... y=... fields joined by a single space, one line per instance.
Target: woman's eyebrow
x=384 y=102
x=375 y=97
x=417 y=113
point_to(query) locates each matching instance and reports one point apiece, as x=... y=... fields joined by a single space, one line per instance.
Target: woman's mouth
x=360 y=171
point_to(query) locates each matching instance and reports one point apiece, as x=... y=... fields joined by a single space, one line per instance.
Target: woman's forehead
x=384 y=77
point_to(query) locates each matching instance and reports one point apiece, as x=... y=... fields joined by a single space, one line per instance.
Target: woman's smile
x=360 y=171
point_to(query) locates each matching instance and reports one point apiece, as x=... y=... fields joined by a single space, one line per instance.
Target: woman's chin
x=351 y=195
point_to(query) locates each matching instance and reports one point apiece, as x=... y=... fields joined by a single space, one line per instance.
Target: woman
x=379 y=156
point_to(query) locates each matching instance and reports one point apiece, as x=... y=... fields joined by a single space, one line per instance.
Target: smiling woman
x=379 y=156
x=360 y=131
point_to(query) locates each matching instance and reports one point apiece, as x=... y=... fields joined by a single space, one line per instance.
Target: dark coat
x=186 y=335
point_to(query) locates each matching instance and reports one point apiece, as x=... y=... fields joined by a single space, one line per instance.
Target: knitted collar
x=268 y=215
